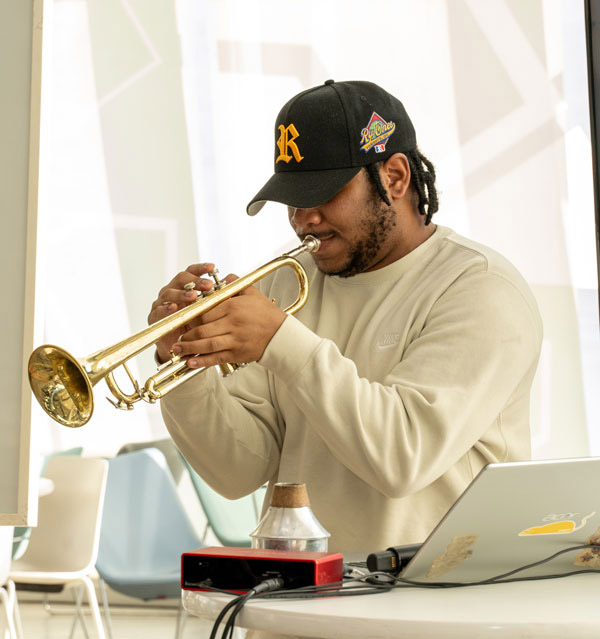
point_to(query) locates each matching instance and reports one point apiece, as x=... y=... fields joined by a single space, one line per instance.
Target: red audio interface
x=240 y=569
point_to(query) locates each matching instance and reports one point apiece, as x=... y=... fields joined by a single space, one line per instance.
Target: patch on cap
x=376 y=134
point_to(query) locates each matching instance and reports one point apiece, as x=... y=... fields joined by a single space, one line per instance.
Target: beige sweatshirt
x=386 y=393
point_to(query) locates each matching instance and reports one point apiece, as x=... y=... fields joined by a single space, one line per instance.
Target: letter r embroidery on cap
x=286 y=142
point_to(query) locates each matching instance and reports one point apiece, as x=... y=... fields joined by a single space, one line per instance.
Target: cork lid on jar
x=290 y=496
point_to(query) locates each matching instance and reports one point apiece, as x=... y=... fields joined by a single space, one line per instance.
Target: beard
x=373 y=230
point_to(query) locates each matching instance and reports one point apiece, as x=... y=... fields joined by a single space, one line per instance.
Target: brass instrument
x=63 y=384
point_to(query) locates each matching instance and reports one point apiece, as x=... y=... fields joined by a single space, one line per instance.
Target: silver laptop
x=514 y=514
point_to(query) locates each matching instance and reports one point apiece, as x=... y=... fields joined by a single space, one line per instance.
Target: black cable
x=502 y=577
x=268 y=585
x=230 y=625
x=346 y=592
x=309 y=591
x=543 y=561
x=222 y=614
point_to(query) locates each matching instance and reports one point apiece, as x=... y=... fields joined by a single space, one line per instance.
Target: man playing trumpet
x=408 y=369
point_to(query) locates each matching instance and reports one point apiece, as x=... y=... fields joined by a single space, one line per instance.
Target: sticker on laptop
x=457 y=551
x=590 y=557
x=376 y=134
x=558 y=524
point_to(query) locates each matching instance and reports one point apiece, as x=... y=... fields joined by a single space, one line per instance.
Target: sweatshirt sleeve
x=232 y=438
x=480 y=341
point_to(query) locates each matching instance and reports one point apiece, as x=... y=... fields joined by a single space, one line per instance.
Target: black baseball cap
x=325 y=135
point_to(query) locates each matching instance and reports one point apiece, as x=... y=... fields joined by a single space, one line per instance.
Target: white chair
x=63 y=548
x=7 y=587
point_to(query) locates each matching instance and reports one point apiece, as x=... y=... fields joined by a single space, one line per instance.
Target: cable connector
x=392 y=559
x=269 y=585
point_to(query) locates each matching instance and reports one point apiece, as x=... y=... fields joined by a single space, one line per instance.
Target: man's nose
x=304 y=217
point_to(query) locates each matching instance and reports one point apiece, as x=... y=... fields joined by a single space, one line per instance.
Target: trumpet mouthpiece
x=311 y=243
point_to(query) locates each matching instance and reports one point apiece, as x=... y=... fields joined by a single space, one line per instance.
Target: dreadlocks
x=422 y=183
x=373 y=171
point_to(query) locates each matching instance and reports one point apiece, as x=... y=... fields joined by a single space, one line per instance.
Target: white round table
x=552 y=608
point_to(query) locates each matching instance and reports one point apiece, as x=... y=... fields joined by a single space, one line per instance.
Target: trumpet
x=63 y=384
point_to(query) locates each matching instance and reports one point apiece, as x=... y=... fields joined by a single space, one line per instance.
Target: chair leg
x=78 y=615
x=93 y=602
x=206 y=529
x=181 y=618
x=255 y=504
x=12 y=633
x=106 y=608
x=12 y=595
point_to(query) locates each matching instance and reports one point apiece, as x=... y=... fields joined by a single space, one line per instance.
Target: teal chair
x=22 y=534
x=145 y=530
x=231 y=520
x=167 y=448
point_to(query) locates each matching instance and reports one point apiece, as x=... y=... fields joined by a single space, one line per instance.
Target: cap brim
x=302 y=189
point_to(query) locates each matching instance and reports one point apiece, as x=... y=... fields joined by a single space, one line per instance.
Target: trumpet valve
x=174 y=359
x=219 y=283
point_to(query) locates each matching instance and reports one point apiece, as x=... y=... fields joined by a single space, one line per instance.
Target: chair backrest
x=166 y=447
x=22 y=533
x=231 y=520
x=73 y=452
x=68 y=532
x=185 y=488
x=145 y=527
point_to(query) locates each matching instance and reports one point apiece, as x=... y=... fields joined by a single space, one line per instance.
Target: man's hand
x=174 y=297
x=236 y=331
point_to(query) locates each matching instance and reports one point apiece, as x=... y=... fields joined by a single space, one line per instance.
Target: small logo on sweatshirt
x=387 y=340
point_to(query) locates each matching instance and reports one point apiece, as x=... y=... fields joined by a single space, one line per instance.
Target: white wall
x=162 y=122
x=22 y=40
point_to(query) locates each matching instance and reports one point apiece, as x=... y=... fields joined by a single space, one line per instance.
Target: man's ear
x=395 y=175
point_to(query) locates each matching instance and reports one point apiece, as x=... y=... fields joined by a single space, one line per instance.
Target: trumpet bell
x=61 y=385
